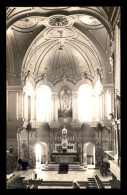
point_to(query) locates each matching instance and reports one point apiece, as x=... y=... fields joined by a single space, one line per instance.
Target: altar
x=69 y=158
x=65 y=151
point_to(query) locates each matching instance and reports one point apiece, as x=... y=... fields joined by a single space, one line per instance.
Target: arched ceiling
x=57 y=42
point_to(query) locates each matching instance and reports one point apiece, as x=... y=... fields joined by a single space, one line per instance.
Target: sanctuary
x=63 y=88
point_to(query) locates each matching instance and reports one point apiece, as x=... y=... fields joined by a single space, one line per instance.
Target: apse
x=85 y=103
x=43 y=104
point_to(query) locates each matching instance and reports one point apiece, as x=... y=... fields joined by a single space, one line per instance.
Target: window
x=43 y=103
x=85 y=103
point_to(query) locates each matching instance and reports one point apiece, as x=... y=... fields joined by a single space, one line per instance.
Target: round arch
x=89 y=153
x=81 y=82
x=61 y=84
x=30 y=80
x=44 y=82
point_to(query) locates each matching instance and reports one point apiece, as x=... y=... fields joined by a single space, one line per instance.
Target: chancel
x=63 y=97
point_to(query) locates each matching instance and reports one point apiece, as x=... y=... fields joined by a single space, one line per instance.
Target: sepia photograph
x=63 y=97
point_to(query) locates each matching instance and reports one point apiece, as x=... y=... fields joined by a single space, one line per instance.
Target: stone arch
x=89 y=149
x=42 y=82
x=44 y=153
x=61 y=84
x=31 y=80
x=81 y=82
x=42 y=156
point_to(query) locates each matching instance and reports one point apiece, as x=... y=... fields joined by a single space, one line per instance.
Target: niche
x=65 y=103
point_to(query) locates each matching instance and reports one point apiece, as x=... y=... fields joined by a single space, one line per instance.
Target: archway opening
x=89 y=154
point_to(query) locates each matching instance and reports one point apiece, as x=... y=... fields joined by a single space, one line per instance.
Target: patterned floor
x=53 y=176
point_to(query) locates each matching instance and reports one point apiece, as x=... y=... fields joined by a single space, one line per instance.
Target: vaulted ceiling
x=58 y=41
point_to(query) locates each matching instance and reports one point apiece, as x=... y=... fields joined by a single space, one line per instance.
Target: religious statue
x=65 y=103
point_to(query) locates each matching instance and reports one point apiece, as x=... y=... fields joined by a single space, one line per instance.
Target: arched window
x=43 y=103
x=85 y=103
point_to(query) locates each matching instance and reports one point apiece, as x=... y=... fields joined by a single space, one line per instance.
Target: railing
x=98 y=182
x=11 y=179
x=114 y=168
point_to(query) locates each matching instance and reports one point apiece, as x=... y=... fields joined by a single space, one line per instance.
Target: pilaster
x=75 y=106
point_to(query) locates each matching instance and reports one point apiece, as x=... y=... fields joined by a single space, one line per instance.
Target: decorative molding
x=44 y=82
x=26 y=23
x=15 y=88
x=59 y=85
x=81 y=82
x=59 y=21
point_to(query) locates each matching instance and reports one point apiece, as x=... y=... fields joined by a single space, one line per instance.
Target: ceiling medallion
x=58 y=21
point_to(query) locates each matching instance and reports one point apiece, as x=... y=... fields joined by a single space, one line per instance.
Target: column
x=76 y=105
x=54 y=107
x=32 y=108
x=105 y=104
x=116 y=138
x=20 y=105
x=112 y=99
x=99 y=106
x=85 y=155
x=102 y=105
x=94 y=107
x=7 y=106
x=35 y=107
x=17 y=105
x=24 y=106
x=75 y=111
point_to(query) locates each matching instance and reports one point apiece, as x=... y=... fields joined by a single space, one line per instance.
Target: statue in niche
x=65 y=103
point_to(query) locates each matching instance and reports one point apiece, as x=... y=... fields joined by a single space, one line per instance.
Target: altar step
x=71 y=167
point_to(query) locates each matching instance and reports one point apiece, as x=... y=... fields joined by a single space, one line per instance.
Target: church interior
x=63 y=97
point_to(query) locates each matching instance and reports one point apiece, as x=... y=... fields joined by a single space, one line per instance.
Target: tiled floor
x=70 y=176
